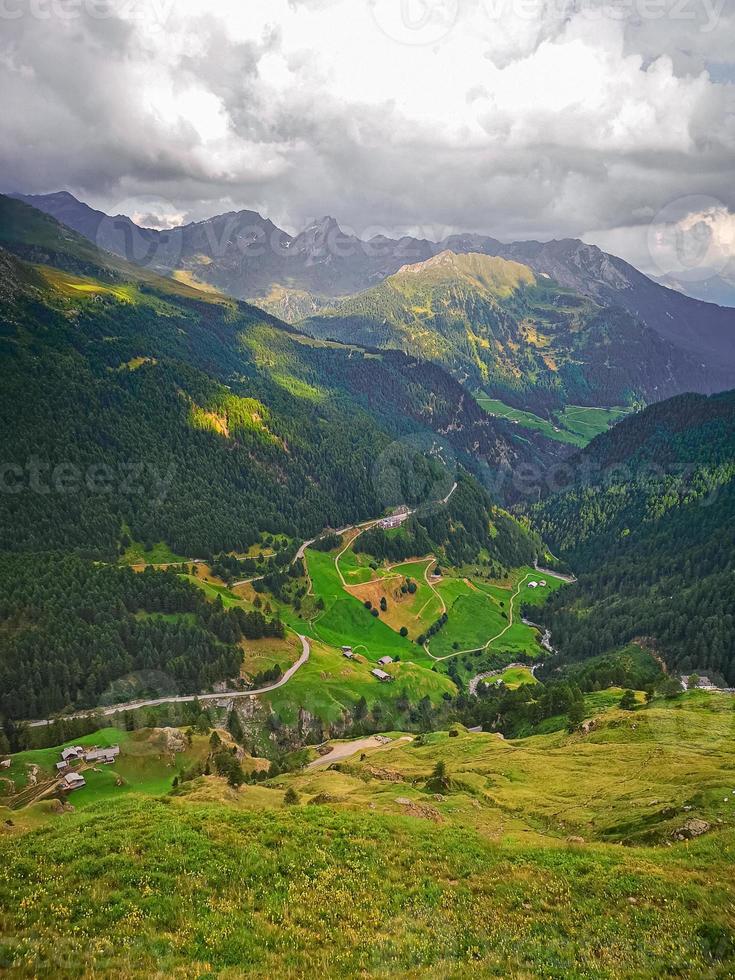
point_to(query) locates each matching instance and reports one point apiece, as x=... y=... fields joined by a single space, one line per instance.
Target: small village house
x=72 y=781
x=381 y=675
x=106 y=755
x=385 y=660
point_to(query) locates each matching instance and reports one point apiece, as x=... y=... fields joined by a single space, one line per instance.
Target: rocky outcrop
x=692 y=828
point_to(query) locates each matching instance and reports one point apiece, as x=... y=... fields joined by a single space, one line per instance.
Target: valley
x=367 y=709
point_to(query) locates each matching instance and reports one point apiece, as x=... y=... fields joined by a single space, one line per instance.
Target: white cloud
x=513 y=117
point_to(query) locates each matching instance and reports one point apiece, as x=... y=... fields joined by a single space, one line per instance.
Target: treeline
x=76 y=634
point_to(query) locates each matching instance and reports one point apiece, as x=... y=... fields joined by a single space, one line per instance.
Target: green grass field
x=527 y=420
x=345 y=621
x=479 y=611
x=544 y=857
x=143 y=765
x=587 y=423
x=329 y=685
x=159 y=554
x=576 y=425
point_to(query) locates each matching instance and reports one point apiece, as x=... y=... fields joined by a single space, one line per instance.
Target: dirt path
x=459 y=653
x=433 y=587
x=346 y=749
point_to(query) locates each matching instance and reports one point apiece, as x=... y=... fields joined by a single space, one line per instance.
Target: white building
x=381 y=675
x=385 y=660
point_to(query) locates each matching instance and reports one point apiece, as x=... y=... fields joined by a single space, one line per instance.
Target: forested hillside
x=520 y=337
x=132 y=405
x=648 y=526
x=73 y=633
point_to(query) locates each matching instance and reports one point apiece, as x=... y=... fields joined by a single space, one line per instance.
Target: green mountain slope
x=647 y=524
x=135 y=401
x=514 y=334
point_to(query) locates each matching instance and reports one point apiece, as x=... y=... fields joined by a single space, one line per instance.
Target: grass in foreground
x=384 y=878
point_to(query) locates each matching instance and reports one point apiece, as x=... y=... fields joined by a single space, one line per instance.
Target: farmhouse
x=542 y=583
x=381 y=675
x=385 y=660
x=61 y=766
x=5 y=763
x=347 y=652
x=107 y=756
x=72 y=780
x=72 y=753
x=533 y=585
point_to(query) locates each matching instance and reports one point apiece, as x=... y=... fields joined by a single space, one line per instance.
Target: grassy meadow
x=550 y=856
x=576 y=425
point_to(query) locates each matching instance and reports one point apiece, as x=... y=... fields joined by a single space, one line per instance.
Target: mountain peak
x=486 y=273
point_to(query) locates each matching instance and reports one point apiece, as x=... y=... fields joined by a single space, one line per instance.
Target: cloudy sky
x=517 y=118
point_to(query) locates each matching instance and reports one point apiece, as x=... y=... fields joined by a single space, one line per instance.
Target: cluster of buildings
x=72 y=779
x=381 y=674
x=536 y=585
x=395 y=519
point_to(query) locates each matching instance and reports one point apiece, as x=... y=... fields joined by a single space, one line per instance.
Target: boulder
x=692 y=828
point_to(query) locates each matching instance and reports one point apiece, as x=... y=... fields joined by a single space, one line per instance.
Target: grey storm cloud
x=508 y=117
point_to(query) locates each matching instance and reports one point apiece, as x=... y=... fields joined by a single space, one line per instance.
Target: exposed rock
x=325 y=798
x=422 y=810
x=61 y=806
x=588 y=726
x=692 y=828
x=575 y=840
x=388 y=775
x=175 y=740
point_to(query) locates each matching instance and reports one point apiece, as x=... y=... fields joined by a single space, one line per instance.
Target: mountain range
x=246 y=256
x=516 y=335
x=230 y=420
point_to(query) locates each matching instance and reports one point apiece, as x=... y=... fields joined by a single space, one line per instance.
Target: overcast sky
x=517 y=118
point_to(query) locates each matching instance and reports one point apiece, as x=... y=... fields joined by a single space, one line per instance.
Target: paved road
x=183 y=698
x=569 y=579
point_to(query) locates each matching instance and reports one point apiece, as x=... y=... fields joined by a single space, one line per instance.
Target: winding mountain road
x=184 y=698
